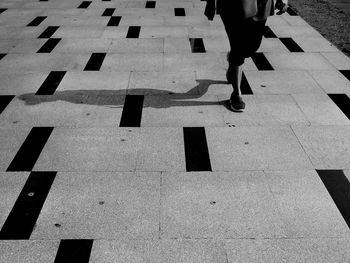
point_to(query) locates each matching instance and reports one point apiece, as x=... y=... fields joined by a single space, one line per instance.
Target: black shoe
x=236 y=103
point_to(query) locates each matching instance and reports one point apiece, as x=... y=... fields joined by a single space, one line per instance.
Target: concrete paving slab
x=177 y=45
x=331 y=81
x=155 y=45
x=255 y=148
x=81 y=31
x=100 y=205
x=315 y=44
x=338 y=59
x=272 y=45
x=13 y=83
x=163 y=31
x=327 y=146
x=30 y=46
x=78 y=45
x=218 y=205
x=28 y=251
x=288 y=250
x=294 y=31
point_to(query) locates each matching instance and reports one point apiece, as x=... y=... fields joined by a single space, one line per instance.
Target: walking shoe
x=236 y=103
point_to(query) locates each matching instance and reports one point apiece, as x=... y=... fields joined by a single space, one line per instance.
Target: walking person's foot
x=236 y=103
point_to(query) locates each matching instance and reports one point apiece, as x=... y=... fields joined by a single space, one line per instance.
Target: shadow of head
x=116 y=98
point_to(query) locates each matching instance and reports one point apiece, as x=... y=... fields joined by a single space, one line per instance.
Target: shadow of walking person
x=116 y=98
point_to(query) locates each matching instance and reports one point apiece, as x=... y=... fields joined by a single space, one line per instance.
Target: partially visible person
x=244 y=22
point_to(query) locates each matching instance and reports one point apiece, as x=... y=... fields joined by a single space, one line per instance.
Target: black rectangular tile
x=24 y=214
x=133 y=32
x=268 y=33
x=197 y=45
x=132 y=111
x=85 y=4
x=291 y=12
x=4 y=101
x=346 y=73
x=196 y=149
x=106 y=0
x=95 y=62
x=49 y=45
x=291 y=44
x=30 y=150
x=2 y=56
x=245 y=87
x=114 y=21
x=151 y=4
x=179 y=12
x=2 y=10
x=74 y=250
x=37 y=21
x=51 y=83
x=338 y=187
x=108 y=12
x=48 y=32
x=261 y=62
x=343 y=103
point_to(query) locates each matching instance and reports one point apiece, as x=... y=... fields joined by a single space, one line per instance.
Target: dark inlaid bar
x=5 y=101
x=338 y=187
x=48 y=32
x=346 y=73
x=291 y=12
x=108 y=12
x=196 y=149
x=49 y=45
x=2 y=10
x=151 y=4
x=74 y=250
x=30 y=150
x=291 y=44
x=2 y=56
x=343 y=103
x=95 y=62
x=24 y=214
x=268 y=33
x=51 y=83
x=85 y=4
x=114 y=21
x=37 y=21
x=197 y=45
x=245 y=87
x=133 y=32
x=261 y=62
x=132 y=111
x=180 y=12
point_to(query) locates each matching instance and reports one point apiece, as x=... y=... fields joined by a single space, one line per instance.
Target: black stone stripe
x=30 y=150
x=2 y=56
x=150 y=4
x=2 y=10
x=261 y=62
x=114 y=21
x=245 y=87
x=133 y=32
x=49 y=45
x=346 y=73
x=291 y=44
x=196 y=149
x=24 y=214
x=197 y=45
x=48 y=32
x=51 y=83
x=291 y=12
x=108 y=12
x=95 y=62
x=5 y=101
x=85 y=4
x=268 y=33
x=132 y=111
x=37 y=21
x=343 y=103
x=338 y=187
x=179 y=12
x=74 y=250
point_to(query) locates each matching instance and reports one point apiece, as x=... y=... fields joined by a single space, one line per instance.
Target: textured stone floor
x=117 y=144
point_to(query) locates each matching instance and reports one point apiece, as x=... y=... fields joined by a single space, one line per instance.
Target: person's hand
x=281 y=6
x=209 y=11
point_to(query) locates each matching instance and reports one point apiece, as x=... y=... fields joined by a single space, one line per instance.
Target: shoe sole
x=236 y=110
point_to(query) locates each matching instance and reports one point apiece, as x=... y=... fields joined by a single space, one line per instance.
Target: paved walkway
x=116 y=145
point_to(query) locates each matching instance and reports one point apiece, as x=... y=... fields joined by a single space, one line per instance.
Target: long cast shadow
x=116 y=98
